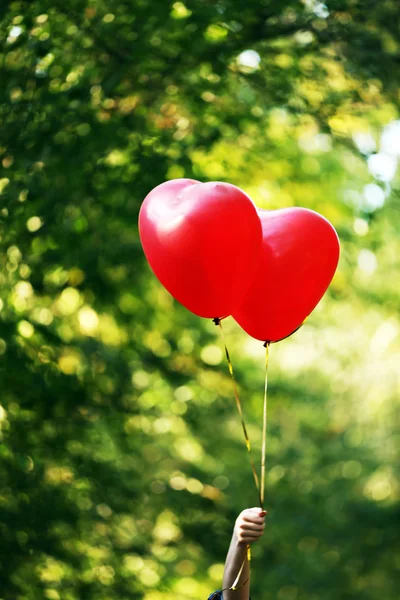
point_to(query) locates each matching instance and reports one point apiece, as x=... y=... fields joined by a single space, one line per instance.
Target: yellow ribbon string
x=260 y=487
x=234 y=587
x=240 y=411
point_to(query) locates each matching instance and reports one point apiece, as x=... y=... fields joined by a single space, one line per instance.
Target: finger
x=252 y=514
x=253 y=519
x=254 y=535
x=246 y=526
x=257 y=510
x=249 y=539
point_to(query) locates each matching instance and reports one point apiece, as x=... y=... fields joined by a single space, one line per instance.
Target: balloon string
x=235 y=585
x=260 y=488
x=240 y=411
x=264 y=431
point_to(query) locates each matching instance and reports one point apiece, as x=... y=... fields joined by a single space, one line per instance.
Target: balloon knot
x=217 y=321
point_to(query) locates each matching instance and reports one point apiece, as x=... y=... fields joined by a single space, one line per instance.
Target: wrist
x=236 y=539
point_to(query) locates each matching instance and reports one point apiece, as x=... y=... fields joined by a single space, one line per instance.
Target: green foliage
x=122 y=464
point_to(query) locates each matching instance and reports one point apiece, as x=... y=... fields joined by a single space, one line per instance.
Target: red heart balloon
x=203 y=242
x=299 y=257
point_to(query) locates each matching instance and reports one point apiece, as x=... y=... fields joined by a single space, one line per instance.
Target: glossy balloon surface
x=299 y=256
x=203 y=242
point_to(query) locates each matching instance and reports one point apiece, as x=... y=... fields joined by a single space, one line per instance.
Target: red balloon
x=203 y=242
x=299 y=257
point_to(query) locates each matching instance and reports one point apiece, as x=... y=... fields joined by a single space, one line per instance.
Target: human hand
x=249 y=525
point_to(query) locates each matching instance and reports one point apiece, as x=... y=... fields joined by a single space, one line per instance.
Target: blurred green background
x=122 y=461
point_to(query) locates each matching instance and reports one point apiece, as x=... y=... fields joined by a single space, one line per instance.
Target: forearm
x=236 y=557
x=249 y=527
